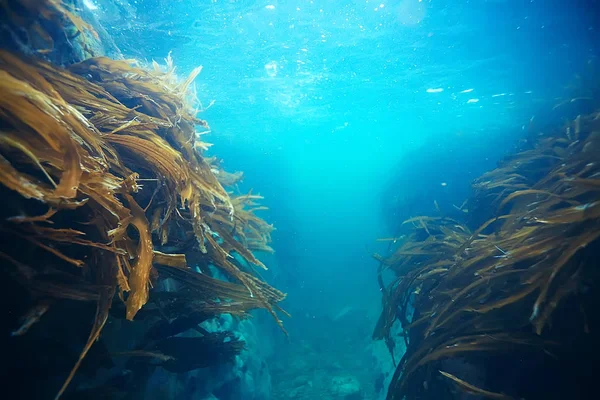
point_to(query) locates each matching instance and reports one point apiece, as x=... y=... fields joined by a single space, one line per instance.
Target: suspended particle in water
x=411 y=12
x=271 y=69
x=90 y=5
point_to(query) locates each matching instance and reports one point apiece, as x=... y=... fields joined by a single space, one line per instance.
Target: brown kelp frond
x=229 y=178
x=253 y=230
x=463 y=289
x=42 y=25
x=184 y=354
x=102 y=178
x=226 y=179
x=432 y=245
x=472 y=389
x=104 y=276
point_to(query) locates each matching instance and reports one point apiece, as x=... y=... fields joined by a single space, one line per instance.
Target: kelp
x=469 y=388
x=183 y=354
x=107 y=183
x=48 y=27
x=461 y=290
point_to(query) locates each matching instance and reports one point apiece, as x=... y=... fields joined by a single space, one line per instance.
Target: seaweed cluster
x=512 y=293
x=108 y=200
x=52 y=29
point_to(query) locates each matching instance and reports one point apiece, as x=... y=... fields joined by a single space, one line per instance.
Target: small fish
x=143 y=353
x=32 y=316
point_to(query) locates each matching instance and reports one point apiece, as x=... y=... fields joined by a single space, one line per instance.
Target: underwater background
x=350 y=117
x=326 y=105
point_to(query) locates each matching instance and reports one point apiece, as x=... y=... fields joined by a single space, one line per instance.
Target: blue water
x=318 y=102
x=339 y=111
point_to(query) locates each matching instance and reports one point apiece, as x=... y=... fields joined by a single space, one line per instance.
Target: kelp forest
x=124 y=239
x=114 y=224
x=501 y=302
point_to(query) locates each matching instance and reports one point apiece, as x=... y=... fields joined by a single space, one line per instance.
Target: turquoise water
x=341 y=113
x=319 y=102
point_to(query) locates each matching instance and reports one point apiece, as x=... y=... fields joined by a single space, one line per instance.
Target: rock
x=300 y=392
x=346 y=387
x=300 y=388
x=300 y=381
x=299 y=364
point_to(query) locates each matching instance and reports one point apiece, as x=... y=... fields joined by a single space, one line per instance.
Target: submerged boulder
x=346 y=387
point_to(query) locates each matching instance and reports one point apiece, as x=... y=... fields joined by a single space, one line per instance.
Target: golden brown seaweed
x=113 y=152
x=477 y=289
